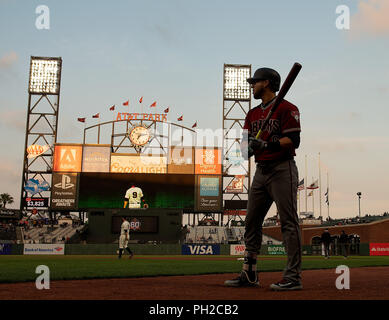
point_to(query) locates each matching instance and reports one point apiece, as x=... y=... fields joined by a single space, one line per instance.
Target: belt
x=267 y=165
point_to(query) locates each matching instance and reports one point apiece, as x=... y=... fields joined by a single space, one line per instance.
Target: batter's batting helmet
x=267 y=74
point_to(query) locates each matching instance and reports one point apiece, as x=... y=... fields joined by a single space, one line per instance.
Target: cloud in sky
x=7 y=60
x=371 y=18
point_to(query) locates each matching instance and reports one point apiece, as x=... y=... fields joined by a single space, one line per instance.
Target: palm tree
x=6 y=198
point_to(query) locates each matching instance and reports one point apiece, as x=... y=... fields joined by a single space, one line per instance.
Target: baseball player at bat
x=124 y=237
x=275 y=179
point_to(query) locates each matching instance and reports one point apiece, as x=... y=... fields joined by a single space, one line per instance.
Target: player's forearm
x=286 y=142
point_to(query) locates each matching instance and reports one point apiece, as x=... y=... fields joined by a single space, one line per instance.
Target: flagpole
x=313 y=202
x=328 y=195
x=306 y=181
x=98 y=137
x=319 y=185
x=299 y=202
x=313 y=199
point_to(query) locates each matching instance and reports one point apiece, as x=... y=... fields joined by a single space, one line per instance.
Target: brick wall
x=377 y=231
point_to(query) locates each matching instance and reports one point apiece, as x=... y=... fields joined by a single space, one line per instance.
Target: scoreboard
x=91 y=176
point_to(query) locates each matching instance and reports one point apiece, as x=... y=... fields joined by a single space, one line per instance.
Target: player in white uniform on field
x=133 y=197
x=124 y=237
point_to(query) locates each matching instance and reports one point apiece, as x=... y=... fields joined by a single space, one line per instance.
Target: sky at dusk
x=173 y=52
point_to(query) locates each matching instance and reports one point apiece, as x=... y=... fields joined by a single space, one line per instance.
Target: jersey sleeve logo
x=295 y=115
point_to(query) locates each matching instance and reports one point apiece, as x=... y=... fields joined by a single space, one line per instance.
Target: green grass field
x=22 y=268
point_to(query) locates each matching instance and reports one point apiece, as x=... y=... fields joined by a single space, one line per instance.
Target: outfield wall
x=174 y=249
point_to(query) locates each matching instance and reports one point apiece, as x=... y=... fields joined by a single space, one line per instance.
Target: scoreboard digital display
x=137 y=224
x=107 y=190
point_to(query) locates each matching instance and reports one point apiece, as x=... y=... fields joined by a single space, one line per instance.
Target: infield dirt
x=365 y=284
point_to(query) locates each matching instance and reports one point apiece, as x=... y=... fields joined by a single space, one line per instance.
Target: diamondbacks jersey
x=285 y=119
x=125 y=227
x=134 y=195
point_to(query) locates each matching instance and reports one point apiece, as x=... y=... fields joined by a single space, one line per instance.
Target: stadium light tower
x=236 y=104
x=41 y=130
x=359 y=194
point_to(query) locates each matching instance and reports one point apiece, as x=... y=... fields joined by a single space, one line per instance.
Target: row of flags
x=312 y=186
x=127 y=103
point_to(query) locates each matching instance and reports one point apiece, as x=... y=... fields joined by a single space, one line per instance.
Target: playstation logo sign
x=65 y=183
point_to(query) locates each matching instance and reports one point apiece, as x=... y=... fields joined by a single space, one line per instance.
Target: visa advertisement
x=199 y=249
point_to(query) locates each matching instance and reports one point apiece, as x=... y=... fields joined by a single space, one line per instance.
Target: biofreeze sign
x=44 y=248
x=276 y=249
x=198 y=249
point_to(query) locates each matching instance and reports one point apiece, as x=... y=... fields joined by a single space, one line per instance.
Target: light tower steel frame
x=241 y=106
x=41 y=127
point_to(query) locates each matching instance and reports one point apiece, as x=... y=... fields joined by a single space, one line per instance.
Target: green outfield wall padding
x=157 y=249
x=108 y=249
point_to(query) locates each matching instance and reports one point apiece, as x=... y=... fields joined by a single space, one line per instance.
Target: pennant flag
x=326 y=194
x=126 y=103
x=313 y=185
x=141 y=99
x=81 y=119
x=166 y=110
x=112 y=108
x=97 y=115
x=310 y=193
x=301 y=185
x=180 y=118
x=195 y=125
x=154 y=104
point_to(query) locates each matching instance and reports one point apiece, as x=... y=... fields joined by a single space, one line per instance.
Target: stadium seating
x=211 y=234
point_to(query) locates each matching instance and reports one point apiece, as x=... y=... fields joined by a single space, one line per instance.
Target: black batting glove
x=256 y=146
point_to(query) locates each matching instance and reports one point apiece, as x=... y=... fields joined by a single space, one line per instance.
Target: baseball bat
x=281 y=94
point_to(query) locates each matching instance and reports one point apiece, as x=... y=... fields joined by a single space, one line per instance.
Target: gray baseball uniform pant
x=279 y=184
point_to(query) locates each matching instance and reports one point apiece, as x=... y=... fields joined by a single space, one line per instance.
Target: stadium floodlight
x=45 y=75
x=235 y=85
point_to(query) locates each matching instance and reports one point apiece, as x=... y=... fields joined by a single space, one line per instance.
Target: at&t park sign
x=141 y=116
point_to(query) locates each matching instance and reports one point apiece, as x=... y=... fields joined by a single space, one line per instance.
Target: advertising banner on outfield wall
x=96 y=158
x=181 y=160
x=208 y=193
x=208 y=161
x=67 y=158
x=124 y=163
x=64 y=191
x=276 y=249
x=58 y=249
x=200 y=249
x=5 y=248
x=237 y=249
x=379 y=249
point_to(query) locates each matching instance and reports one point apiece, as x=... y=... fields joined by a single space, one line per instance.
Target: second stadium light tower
x=236 y=171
